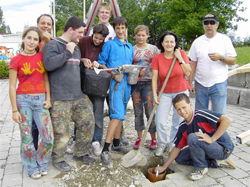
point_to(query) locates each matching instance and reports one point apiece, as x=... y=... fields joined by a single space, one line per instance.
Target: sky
x=17 y=13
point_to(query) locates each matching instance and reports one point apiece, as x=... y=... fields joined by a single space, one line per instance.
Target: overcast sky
x=17 y=13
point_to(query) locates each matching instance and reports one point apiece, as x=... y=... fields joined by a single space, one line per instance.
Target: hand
x=215 y=56
x=156 y=100
x=86 y=62
x=17 y=117
x=46 y=37
x=177 y=54
x=192 y=89
x=71 y=46
x=117 y=77
x=42 y=70
x=95 y=64
x=26 y=69
x=160 y=169
x=142 y=71
x=204 y=137
x=46 y=104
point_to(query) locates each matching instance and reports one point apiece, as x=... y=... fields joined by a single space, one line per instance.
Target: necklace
x=28 y=54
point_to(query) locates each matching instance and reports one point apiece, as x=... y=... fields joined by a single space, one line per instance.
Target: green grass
x=243 y=55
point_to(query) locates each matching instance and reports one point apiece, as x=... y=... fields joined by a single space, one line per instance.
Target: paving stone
x=14 y=151
x=3 y=155
x=1 y=173
x=242 y=165
x=14 y=159
x=16 y=168
x=244 y=156
x=245 y=181
x=4 y=147
x=236 y=173
x=216 y=173
x=12 y=180
x=230 y=182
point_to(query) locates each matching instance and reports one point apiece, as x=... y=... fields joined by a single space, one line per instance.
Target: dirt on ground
x=96 y=174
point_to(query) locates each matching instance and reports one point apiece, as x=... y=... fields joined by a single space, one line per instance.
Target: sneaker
x=86 y=159
x=153 y=144
x=36 y=175
x=227 y=163
x=124 y=140
x=106 y=159
x=197 y=174
x=159 y=151
x=62 y=166
x=96 y=148
x=120 y=148
x=70 y=148
x=44 y=173
x=137 y=143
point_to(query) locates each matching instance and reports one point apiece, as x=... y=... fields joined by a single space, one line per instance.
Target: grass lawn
x=243 y=55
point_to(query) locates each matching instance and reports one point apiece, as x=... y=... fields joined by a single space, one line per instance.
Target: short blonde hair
x=142 y=28
x=105 y=5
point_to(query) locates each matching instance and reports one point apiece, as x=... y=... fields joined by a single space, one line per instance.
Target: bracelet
x=14 y=111
x=181 y=62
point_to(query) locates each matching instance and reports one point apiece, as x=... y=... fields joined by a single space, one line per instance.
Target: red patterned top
x=30 y=73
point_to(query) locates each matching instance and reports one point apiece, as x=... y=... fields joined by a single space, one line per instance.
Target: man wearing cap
x=210 y=56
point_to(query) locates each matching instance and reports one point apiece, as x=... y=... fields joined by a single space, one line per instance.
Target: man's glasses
x=209 y=22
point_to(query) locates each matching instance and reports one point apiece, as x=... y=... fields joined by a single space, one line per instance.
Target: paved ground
x=12 y=172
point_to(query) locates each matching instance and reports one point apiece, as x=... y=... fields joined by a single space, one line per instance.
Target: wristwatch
x=222 y=59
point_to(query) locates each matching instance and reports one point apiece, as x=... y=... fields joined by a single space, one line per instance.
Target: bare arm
x=154 y=85
x=185 y=67
x=227 y=60
x=174 y=153
x=191 y=76
x=12 y=94
x=47 y=102
x=224 y=123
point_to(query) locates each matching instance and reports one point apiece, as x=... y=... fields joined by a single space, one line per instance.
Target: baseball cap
x=210 y=16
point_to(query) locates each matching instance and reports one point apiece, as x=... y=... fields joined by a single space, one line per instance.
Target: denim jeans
x=98 y=107
x=31 y=108
x=161 y=119
x=201 y=154
x=218 y=94
x=142 y=96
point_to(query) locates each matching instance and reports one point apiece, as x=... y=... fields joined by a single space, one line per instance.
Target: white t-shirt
x=210 y=72
x=111 y=33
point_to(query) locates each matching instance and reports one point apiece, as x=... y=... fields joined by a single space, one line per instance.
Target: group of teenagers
x=49 y=96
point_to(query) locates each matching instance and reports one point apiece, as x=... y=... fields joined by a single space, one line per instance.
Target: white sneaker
x=159 y=151
x=197 y=174
x=96 y=148
x=70 y=148
x=227 y=163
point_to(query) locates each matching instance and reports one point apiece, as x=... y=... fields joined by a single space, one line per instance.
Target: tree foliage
x=5 y=29
x=184 y=17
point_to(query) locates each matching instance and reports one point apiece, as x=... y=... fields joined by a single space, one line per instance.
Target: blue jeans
x=31 y=108
x=201 y=154
x=218 y=94
x=98 y=107
x=142 y=96
x=161 y=116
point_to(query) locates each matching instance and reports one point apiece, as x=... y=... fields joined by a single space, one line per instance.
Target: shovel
x=135 y=156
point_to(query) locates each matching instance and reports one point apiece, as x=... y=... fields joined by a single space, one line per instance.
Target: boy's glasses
x=209 y=22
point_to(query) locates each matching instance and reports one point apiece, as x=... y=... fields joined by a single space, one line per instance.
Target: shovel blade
x=133 y=157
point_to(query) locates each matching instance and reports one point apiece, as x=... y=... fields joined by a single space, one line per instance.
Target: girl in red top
x=31 y=101
x=177 y=83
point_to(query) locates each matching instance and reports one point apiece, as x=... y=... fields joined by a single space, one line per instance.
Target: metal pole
x=54 y=16
x=84 y=8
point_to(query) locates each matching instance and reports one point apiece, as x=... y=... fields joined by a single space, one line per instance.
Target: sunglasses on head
x=209 y=22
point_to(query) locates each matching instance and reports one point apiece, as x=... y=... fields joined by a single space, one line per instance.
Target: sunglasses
x=209 y=22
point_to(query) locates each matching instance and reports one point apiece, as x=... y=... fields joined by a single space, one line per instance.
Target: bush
x=4 y=69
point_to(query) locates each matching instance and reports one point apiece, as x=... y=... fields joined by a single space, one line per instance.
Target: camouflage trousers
x=81 y=113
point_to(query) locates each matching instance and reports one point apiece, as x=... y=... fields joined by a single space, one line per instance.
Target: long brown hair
x=26 y=31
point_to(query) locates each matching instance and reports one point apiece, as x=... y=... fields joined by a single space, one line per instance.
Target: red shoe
x=137 y=143
x=153 y=144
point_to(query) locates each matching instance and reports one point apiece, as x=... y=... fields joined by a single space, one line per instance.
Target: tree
x=5 y=29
